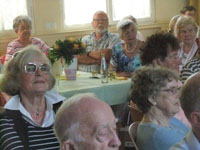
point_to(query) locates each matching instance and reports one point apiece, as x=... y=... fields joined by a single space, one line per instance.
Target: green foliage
x=66 y=50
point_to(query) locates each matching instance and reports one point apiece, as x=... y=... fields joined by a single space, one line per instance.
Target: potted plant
x=66 y=51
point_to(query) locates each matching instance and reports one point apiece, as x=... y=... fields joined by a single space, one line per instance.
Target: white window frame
x=112 y=23
x=30 y=14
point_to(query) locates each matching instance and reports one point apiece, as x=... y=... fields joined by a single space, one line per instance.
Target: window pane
x=137 y=8
x=9 y=9
x=82 y=11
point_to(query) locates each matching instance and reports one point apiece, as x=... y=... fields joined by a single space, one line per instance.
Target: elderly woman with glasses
x=125 y=55
x=22 y=26
x=186 y=31
x=155 y=92
x=29 y=115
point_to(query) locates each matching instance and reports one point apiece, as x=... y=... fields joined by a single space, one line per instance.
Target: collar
x=104 y=35
x=51 y=96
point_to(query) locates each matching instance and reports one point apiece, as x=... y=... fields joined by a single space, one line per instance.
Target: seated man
x=190 y=104
x=100 y=41
x=84 y=122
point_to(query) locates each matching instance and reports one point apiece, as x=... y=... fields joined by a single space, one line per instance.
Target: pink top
x=181 y=116
x=15 y=46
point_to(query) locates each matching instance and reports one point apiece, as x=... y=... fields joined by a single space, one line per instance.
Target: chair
x=132 y=133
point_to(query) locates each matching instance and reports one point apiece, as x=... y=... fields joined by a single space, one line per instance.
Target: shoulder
x=14 y=43
x=193 y=63
x=54 y=97
x=87 y=37
x=176 y=123
x=118 y=47
x=113 y=35
x=36 y=40
x=6 y=115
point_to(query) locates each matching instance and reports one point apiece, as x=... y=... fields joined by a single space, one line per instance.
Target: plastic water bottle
x=104 y=70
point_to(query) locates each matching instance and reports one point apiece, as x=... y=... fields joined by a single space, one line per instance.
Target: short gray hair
x=147 y=82
x=190 y=95
x=123 y=24
x=182 y=22
x=66 y=126
x=11 y=80
x=172 y=23
x=131 y=18
x=19 y=19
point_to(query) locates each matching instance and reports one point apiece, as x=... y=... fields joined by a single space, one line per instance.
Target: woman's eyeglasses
x=31 y=68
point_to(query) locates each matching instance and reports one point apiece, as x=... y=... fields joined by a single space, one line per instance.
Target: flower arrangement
x=66 y=50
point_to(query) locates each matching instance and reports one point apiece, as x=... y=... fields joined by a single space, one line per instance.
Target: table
x=114 y=92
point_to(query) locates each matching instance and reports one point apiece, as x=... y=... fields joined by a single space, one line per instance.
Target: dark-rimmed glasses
x=31 y=68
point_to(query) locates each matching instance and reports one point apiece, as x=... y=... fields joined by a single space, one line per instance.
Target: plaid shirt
x=106 y=42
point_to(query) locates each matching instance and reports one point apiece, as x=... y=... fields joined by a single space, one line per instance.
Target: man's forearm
x=97 y=54
x=86 y=60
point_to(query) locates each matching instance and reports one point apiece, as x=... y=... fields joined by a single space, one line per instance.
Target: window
x=79 y=12
x=9 y=9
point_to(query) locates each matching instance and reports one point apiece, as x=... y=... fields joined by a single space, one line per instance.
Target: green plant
x=66 y=50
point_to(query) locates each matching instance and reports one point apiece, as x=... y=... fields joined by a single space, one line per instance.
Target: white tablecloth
x=114 y=92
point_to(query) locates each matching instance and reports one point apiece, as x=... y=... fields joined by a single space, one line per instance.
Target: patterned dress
x=122 y=62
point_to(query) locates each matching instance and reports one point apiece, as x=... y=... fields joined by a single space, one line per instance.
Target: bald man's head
x=79 y=119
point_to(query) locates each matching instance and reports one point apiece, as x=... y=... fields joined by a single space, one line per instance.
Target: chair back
x=136 y=114
x=133 y=132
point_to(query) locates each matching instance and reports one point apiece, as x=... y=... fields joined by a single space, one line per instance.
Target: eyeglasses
x=31 y=68
x=172 y=90
x=100 y=20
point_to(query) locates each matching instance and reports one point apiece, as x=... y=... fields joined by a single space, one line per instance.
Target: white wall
x=51 y=13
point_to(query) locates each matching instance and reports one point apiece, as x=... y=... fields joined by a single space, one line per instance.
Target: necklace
x=133 y=49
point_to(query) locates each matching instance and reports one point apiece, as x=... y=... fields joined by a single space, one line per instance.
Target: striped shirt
x=40 y=138
x=190 y=68
x=15 y=46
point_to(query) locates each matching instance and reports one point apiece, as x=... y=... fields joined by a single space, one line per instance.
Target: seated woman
x=125 y=56
x=186 y=32
x=139 y=35
x=22 y=25
x=29 y=115
x=155 y=92
x=172 y=23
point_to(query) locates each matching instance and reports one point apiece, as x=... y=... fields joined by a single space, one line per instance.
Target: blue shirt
x=123 y=63
x=151 y=136
x=189 y=142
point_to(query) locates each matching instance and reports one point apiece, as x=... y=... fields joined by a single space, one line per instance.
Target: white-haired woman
x=186 y=32
x=26 y=123
x=22 y=26
x=125 y=57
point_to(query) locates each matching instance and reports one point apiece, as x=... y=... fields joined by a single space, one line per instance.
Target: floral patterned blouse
x=123 y=63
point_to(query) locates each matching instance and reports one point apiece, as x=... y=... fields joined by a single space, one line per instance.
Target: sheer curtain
x=9 y=9
x=143 y=10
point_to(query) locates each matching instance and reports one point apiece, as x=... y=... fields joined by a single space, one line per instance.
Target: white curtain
x=9 y=9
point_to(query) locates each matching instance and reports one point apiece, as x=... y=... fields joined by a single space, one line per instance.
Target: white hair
x=125 y=22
